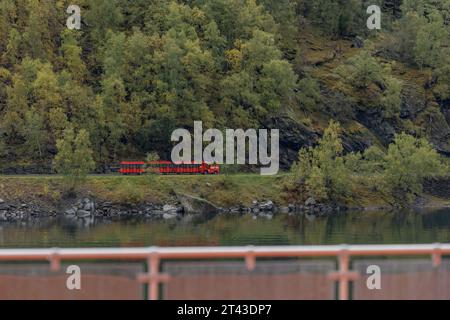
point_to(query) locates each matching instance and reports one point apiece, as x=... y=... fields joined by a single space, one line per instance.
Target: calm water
x=282 y=229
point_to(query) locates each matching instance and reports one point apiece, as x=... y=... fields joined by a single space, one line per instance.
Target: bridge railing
x=155 y=276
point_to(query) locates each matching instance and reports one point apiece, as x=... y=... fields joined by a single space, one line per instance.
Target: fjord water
x=381 y=227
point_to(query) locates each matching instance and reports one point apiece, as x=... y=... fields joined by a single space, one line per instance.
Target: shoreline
x=87 y=210
x=172 y=197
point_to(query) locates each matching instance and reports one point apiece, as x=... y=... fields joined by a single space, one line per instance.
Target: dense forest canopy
x=136 y=70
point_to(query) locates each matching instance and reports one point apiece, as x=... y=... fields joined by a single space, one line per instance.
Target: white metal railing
x=154 y=255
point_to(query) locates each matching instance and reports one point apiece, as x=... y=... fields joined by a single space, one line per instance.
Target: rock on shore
x=195 y=205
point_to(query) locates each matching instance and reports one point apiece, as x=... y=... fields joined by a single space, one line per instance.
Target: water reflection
x=281 y=229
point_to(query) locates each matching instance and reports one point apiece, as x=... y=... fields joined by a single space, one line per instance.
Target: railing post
x=55 y=260
x=153 y=278
x=250 y=259
x=153 y=263
x=343 y=275
x=437 y=255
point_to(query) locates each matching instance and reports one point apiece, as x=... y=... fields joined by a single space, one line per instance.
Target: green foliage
x=237 y=19
x=103 y=15
x=11 y=55
x=35 y=132
x=353 y=162
x=373 y=160
x=309 y=93
x=74 y=158
x=139 y=69
x=259 y=82
x=408 y=161
x=432 y=42
x=151 y=157
x=391 y=98
x=322 y=169
x=227 y=182
x=405 y=35
x=399 y=173
x=421 y=35
x=380 y=89
x=129 y=193
x=338 y=17
x=71 y=52
x=442 y=88
x=363 y=70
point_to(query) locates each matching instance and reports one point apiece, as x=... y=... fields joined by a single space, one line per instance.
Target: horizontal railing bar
x=221 y=252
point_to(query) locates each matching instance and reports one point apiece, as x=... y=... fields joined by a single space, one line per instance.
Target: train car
x=132 y=168
x=167 y=167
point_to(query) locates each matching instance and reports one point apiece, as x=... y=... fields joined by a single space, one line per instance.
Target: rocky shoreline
x=86 y=208
x=183 y=205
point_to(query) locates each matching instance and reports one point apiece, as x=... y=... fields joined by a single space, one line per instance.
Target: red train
x=167 y=167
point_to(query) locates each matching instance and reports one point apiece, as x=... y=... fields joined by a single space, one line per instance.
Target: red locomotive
x=167 y=167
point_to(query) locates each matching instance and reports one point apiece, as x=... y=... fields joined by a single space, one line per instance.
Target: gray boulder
x=266 y=206
x=196 y=205
x=358 y=42
x=71 y=212
x=310 y=202
x=83 y=214
x=89 y=206
x=171 y=208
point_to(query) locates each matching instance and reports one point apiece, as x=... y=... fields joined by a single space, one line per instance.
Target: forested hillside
x=136 y=70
